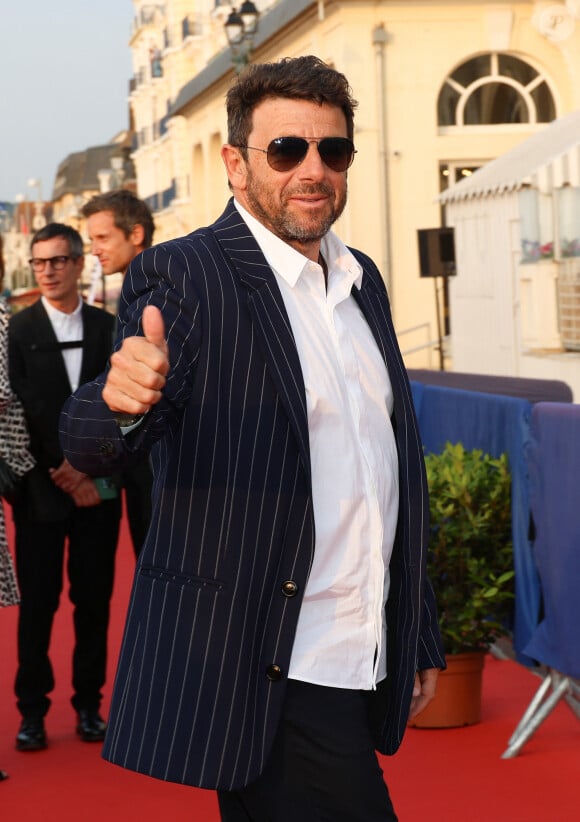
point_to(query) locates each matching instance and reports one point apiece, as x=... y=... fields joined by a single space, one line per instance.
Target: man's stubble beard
x=273 y=215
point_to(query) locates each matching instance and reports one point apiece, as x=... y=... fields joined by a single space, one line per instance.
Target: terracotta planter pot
x=458 y=698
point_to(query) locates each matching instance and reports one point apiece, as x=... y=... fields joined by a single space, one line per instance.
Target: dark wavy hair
x=127 y=210
x=296 y=78
x=67 y=232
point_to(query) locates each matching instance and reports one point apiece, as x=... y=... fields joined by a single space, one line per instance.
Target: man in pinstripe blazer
x=281 y=627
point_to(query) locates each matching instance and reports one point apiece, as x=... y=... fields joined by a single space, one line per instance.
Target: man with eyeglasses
x=281 y=628
x=55 y=345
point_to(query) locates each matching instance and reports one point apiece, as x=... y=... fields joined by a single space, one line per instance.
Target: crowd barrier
x=542 y=440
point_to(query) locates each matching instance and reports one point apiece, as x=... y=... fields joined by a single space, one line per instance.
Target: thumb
x=153 y=326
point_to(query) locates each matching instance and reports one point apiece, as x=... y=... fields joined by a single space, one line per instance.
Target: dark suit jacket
x=38 y=375
x=209 y=634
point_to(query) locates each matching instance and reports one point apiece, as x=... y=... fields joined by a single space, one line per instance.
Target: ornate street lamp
x=241 y=28
x=39 y=220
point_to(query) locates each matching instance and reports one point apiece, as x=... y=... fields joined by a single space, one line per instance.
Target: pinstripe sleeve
x=90 y=437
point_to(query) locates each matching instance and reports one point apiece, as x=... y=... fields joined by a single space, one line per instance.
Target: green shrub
x=470 y=558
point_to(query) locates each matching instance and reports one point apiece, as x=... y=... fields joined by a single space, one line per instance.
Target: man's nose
x=312 y=165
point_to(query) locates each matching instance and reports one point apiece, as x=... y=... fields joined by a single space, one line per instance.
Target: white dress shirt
x=341 y=634
x=68 y=328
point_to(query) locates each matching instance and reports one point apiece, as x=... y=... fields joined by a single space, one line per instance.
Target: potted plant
x=470 y=564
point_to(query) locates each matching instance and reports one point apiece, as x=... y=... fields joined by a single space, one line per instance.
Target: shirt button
x=289 y=588
x=274 y=673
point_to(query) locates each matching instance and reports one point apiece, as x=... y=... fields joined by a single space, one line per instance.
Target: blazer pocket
x=180 y=579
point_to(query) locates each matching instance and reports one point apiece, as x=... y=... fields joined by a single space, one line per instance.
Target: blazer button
x=274 y=673
x=289 y=588
x=106 y=448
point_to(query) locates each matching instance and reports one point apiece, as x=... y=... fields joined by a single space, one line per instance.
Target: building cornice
x=281 y=15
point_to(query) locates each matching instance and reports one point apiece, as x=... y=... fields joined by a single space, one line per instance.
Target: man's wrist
x=128 y=420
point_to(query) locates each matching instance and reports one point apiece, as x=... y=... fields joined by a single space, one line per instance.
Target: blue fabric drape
x=554 y=460
x=495 y=424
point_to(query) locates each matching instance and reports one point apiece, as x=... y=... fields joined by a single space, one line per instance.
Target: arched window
x=494 y=88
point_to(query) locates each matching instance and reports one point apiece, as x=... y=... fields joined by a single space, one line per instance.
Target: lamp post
x=113 y=177
x=241 y=28
x=38 y=220
x=21 y=274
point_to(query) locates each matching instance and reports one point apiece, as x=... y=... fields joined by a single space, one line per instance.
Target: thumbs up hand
x=154 y=327
x=138 y=369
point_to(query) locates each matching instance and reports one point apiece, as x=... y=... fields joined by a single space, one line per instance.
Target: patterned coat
x=14 y=443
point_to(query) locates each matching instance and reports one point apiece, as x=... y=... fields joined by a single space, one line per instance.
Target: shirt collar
x=60 y=316
x=289 y=263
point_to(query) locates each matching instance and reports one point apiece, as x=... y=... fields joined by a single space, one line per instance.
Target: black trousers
x=92 y=535
x=323 y=766
x=137 y=480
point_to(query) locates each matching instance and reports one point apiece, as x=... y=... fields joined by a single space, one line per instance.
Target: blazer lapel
x=92 y=347
x=43 y=340
x=271 y=321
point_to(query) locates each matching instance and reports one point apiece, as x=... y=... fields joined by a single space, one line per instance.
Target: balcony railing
x=156 y=64
x=168 y=195
x=146 y=16
x=160 y=127
x=162 y=199
x=146 y=73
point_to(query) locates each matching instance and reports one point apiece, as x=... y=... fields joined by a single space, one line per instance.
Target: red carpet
x=441 y=776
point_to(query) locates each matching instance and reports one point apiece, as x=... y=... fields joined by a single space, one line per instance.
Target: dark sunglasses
x=285 y=153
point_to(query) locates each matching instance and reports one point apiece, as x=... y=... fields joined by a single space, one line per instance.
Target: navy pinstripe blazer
x=210 y=627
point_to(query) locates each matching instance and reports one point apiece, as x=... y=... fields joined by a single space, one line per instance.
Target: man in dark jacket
x=281 y=627
x=55 y=345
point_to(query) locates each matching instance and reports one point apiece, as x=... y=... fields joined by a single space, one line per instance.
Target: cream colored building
x=443 y=87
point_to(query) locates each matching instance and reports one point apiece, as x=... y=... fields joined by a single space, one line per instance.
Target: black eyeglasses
x=285 y=153
x=57 y=263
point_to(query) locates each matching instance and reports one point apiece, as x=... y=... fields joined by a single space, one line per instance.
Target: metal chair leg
x=573 y=697
x=537 y=711
x=532 y=707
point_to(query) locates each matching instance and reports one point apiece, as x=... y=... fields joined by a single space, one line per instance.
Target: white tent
x=515 y=302
x=547 y=160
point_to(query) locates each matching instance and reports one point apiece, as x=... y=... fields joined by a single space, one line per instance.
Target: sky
x=64 y=76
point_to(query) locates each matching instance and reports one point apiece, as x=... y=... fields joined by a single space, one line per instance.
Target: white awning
x=546 y=160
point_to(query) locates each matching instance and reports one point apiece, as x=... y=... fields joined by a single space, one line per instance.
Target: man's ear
x=235 y=166
x=137 y=235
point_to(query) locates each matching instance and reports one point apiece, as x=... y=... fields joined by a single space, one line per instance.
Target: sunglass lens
x=285 y=153
x=336 y=152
